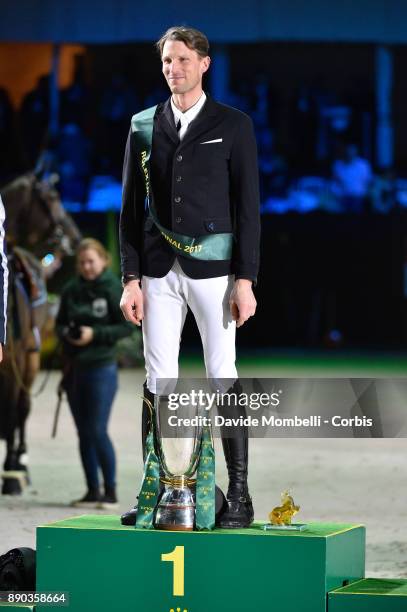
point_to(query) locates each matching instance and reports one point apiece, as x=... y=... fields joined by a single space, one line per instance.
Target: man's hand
x=1 y=352
x=85 y=338
x=131 y=303
x=242 y=301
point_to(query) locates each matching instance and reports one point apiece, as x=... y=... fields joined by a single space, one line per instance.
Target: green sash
x=212 y=247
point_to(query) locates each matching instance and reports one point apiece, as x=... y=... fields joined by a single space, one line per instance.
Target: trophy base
x=168 y=527
x=176 y=509
x=293 y=527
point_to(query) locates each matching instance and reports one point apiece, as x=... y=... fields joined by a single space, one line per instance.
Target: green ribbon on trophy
x=212 y=247
x=148 y=496
x=205 y=484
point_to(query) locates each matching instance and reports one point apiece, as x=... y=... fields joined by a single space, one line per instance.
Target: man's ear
x=206 y=62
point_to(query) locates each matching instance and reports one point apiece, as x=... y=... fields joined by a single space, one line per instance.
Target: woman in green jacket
x=90 y=323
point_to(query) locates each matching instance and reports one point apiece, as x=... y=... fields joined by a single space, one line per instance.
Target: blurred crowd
x=326 y=165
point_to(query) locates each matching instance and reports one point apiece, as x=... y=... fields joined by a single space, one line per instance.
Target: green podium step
x=105 y=566
x=370 y=595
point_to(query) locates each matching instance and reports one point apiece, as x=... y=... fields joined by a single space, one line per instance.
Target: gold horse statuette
x=282 y=515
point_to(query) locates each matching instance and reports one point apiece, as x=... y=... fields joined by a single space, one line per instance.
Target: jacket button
x=177 y=199
x=178 y=179
x=178 y=220
x=179 y=158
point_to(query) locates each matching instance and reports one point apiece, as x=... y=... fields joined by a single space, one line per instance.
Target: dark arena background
x=318 y=90
x=325 y=85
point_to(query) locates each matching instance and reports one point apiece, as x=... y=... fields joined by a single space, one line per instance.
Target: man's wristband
x=126 y=278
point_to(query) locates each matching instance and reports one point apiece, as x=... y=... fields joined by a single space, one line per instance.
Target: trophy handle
x=149 y=404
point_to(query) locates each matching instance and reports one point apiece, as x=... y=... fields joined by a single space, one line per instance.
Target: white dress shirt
x=188 y=116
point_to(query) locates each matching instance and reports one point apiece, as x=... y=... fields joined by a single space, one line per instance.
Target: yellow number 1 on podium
x=177 y=557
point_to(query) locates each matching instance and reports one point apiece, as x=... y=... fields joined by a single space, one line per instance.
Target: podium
x=107 y=567
x=370 y=595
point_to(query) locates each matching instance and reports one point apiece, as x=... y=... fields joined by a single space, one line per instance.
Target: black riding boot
x=129 y=518
x=239 y=511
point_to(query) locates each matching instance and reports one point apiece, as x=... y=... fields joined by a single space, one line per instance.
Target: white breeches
x=166 y=302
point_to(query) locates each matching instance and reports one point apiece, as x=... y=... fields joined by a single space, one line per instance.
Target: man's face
x=182 y=67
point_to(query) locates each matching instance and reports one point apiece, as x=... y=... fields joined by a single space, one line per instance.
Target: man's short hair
x=194 y=39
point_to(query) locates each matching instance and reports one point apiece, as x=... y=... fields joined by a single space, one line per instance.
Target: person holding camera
x=90 y=323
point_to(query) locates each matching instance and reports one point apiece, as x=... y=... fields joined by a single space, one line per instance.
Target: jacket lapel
x=202 y=122
x=165 y=121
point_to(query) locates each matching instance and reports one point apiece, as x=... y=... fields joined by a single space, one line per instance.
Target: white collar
x=191 y=113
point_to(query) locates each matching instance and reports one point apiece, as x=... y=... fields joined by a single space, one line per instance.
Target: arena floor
x=344 y=480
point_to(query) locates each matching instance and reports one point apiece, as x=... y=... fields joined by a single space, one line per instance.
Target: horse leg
x=8 y=402
x=13 y=476
x=24 y=408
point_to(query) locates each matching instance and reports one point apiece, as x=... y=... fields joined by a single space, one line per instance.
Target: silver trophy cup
x=178 y=456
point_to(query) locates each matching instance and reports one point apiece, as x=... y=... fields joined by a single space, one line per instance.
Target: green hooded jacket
x=94 y=304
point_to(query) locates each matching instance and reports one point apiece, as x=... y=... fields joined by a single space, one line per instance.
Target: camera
x=73 y=331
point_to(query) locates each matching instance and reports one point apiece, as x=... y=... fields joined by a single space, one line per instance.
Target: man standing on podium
x=203 y=184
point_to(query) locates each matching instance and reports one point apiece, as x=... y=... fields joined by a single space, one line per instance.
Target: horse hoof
x=11 y=486
x=13 y=483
